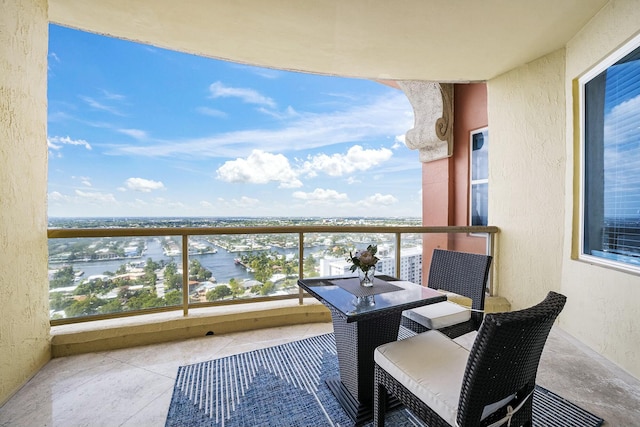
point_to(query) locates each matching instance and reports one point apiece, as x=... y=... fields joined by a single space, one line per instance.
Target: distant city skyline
x=139 y=131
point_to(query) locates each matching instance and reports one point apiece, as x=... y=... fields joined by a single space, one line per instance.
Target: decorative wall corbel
x=432 y=134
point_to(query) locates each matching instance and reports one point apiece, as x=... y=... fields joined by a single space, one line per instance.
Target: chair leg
x=379 y=404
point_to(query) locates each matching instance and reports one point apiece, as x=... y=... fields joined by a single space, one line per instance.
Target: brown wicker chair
x=444 y=384
x=460 y=273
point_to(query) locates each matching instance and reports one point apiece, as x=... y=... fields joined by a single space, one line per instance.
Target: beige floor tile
x=133 y=387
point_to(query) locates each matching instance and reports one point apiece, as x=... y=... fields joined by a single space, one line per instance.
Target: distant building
x=249 y=283
x=331 y=266
x=410 y=265
x=95 y=277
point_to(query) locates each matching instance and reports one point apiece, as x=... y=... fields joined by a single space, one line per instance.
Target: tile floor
x=132 y=387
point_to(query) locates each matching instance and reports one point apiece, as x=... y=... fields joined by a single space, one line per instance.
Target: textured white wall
x=605 y=308
x=24 y=302
x=526 y=109
x=533 y=200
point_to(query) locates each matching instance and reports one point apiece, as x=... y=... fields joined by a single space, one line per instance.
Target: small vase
x=366 y=277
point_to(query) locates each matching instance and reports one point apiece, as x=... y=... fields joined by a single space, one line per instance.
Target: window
x=611 y=160
x=479 y=209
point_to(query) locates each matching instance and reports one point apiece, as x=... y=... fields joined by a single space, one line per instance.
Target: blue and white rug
x=285 y=386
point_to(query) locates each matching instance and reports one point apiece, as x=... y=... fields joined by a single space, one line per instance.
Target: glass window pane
x=480 y=155
x=479 y=204
x=479 y=164
x=612 y=162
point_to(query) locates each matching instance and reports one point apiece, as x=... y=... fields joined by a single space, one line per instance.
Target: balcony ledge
x=104 y=335
x=125 y=332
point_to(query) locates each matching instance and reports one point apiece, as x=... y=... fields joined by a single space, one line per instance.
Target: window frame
x=616 y=55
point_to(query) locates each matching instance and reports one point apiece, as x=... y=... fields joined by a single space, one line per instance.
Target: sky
x=622 y=140
x=140 y=131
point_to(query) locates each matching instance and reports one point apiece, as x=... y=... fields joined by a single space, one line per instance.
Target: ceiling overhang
x=437 y=40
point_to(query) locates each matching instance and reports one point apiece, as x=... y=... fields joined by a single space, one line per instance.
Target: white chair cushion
x=439 y=315
x=467 y=339
x=429 y=365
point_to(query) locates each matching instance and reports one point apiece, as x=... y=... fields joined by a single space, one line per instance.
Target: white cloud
x=399 y=141
x=56 y=196
x=95 y=197
x=379 y=200
x=621 y=133
x=320 y=195
x=625 y=112
x=143 y=185
x=97 y=105
x=84 y=180
x=174 y=206
x=245 y=202
x=58 y=116
x=351 y=180
x=356 y=159
x=285 y=115
x=238 y=205
x=56 y=142
x=164 y=203
x=114 y=96
x=249 y=96
x=265 y=73
x=211 y=112
x=134 y=133
x=82 y=198
x=388 y=115
x=259 y=168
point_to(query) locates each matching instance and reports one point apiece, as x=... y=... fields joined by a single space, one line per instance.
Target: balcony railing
x=70 y=248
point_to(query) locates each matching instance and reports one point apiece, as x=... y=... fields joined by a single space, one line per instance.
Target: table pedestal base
x=358 y=412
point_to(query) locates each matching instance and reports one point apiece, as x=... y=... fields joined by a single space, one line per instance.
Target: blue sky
x=136 y=130
x=622 y=141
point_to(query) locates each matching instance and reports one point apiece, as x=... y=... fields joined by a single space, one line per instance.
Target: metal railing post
x=185 y=274
x=398 y=250
x=300 y=265
x=490 y=250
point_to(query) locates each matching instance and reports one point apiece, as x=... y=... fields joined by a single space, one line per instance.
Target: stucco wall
x=605 y=309
x=526 y=109
x=532 y=195
x=24 y=317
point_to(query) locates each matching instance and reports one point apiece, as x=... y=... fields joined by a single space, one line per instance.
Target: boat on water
x=238 y=261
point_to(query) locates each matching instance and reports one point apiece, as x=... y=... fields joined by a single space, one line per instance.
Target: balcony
x=132 y=358
x=535 y=157
x=193 y=317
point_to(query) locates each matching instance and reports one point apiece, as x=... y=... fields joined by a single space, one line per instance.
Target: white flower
x=364 y=260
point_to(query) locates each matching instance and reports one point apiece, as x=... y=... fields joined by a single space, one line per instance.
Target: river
x=221 y=264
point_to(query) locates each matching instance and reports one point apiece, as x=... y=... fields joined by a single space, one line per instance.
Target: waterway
x=221 y=264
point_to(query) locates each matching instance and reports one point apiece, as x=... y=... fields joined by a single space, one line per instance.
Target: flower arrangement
x=364 y=260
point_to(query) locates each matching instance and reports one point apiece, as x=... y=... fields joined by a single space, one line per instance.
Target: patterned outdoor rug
x=285 y=386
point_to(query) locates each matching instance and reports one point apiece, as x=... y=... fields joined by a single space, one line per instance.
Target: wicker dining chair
x=460 y=273
x=444 y=384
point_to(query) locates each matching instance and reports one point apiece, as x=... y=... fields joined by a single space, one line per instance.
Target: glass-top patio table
x=363 y=319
